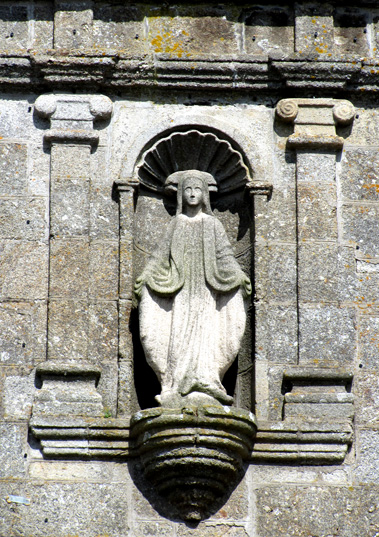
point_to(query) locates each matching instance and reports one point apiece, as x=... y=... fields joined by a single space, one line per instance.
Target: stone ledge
x=93 y=73
x=295 y=441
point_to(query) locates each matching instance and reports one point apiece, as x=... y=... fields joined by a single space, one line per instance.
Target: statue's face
x=192 y=192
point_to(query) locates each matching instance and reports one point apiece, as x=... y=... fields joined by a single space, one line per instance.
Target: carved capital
x=259 y=188
x=126 y=185
x=315 y=121
x=287 y=110
x=72 y=116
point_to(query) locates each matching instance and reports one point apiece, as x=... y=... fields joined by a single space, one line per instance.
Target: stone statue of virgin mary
x=192 y=301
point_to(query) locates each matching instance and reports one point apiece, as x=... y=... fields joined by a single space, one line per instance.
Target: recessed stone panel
x=351 y=32
x=314 y=30
x=189 y=35
x=119 y=27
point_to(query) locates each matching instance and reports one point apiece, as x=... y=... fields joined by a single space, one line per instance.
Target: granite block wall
x=65 y=266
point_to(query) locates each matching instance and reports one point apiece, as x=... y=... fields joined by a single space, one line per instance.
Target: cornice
x=53 y=71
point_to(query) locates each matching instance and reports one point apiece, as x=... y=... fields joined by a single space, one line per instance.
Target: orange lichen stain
x=166 y=43
x=374 y=186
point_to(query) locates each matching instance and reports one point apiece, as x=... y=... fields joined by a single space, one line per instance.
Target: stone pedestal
x=193 y=456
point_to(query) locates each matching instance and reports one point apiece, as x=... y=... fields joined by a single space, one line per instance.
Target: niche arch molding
x=181 y=121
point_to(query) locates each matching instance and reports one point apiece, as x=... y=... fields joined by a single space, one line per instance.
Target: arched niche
x=205 y=149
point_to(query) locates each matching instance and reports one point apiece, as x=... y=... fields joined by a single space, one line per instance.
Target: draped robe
x=192 y=311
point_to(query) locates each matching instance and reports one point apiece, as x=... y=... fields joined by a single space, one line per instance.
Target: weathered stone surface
x=119 y=27
x=276 y=333
x=304 y=511
x=318 y=272
x=69 y=206
x=367 y=398
x=43 y=18
x=350 y=31
x=210 y=530
x=68 y=330
x=18 y=396
x=359 y=174
x=103 y=270
x=275 y=265
x=69 y=263
x=366 y=470
x=23 y=270
x=23 y=332
x=13 y=441
x=23 y=218
x=13 y=168
x=186 y=35
x=327 y=335
x=103 y=331
x=59 y=509
x=314 y=30
x=269 y=31
x=152 y=529
x=360 y=223
x=316 y=166
x=368 y=342
x=364 y=129
x=108 y=386
x=314 y=200
x=275 y=220
x=104 y=216
x=13 y=28
x=72 y=27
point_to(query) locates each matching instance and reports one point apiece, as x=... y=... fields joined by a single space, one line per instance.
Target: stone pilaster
x=72 y=299
x=127 y=401
x=326 y=320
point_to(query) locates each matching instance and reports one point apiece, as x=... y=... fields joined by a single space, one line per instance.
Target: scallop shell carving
x=193 y=150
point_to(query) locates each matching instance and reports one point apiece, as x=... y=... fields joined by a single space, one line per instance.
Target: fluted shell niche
x=193 y=150
x=156 y=206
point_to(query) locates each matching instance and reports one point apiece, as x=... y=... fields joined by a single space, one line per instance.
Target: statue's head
x=192 y=188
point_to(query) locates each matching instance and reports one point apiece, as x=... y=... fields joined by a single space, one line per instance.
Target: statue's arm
x=159 y=257
x=226 y=258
